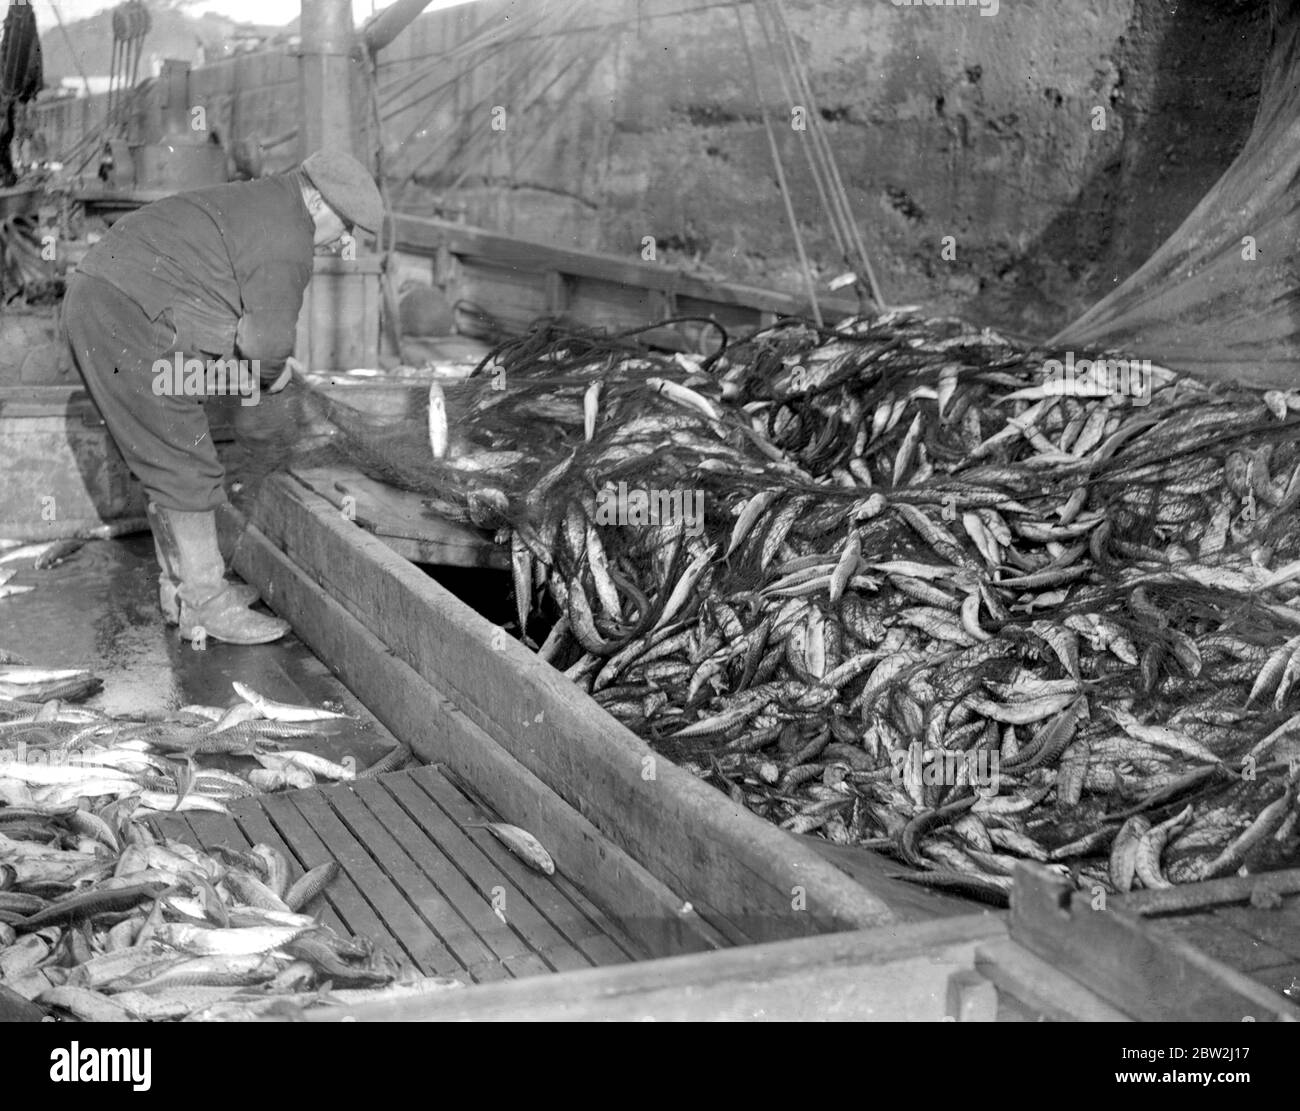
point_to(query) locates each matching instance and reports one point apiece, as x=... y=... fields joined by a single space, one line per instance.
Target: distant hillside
x=171 y=35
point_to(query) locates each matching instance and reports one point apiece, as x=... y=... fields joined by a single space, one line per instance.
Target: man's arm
x=272 y=296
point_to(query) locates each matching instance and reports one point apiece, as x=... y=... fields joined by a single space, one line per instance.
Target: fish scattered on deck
x=520 y=842
x=282 y=711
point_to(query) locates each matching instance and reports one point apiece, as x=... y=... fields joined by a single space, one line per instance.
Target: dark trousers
x=165 y=440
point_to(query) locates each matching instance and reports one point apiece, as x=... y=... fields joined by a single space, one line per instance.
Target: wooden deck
x=1071 y=956
x=441 y=899
x=1260 y=942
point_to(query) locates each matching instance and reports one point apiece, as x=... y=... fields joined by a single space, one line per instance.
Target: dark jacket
x=230 y=262
x=21 y=75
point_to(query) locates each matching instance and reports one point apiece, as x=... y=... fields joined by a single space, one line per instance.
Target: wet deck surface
x=99 y=611
x=440 y=898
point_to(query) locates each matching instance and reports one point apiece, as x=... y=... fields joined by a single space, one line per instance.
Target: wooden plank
x=209 y=830
x=203 y=830
x=909 y=901
x=663 y=304
x=177 y=828
x=545 y=893
x=524 y=891
x=425 y=235
x=688 y=834
x=358 y=915
x=174 y=827
x=411 y=708
x=885 y=974
x=446 y=269
x=434 y=552
x=1034 y=983
x=669 y=338
x=470 y=885
x=615 y=307
x=511 y=299
x=1149 y=974
x=556 y=291
x=255 y=826
x=423 y=946
x=474 y=927
x=402 y=520
x=971 y=998
x=1279 y=927
x=432 y=880
x=737 y=320
x=610 y=929
x=1187 y=898
x=1283 y=980
x=1220 y=939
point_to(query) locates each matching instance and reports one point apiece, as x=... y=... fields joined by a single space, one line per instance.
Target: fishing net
x=812 y=559
x=1218 y=298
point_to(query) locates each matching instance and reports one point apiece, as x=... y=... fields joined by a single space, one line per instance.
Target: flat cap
x=348 y=188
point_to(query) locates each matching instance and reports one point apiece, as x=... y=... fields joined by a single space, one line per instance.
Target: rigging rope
x=784 y=186
x=836 y=190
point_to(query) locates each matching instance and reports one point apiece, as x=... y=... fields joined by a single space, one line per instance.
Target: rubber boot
x=242 y=593
x=206 y=603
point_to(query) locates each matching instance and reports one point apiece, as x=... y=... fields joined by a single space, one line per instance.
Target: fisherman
x=211 y=274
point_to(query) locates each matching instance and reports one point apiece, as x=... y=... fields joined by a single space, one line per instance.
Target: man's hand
x=291 y=367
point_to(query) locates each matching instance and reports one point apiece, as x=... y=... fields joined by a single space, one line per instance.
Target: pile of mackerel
x=948 y=597
x=104 y=919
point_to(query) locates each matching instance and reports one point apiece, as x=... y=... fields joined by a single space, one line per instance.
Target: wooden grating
x=441 y=898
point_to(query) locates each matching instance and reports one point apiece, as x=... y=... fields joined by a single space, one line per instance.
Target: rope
x=539 y=58
x=388 y=230
x=593 y=59
x=780 y=174
x=76 y=58
x=613 y=24
x=469 y=133
x=836 y=214
x=838 y=193
x=814 y=168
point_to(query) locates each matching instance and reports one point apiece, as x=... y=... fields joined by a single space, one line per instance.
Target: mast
x=325 y=75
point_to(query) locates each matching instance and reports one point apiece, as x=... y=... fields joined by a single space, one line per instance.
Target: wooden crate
x=338 y=327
